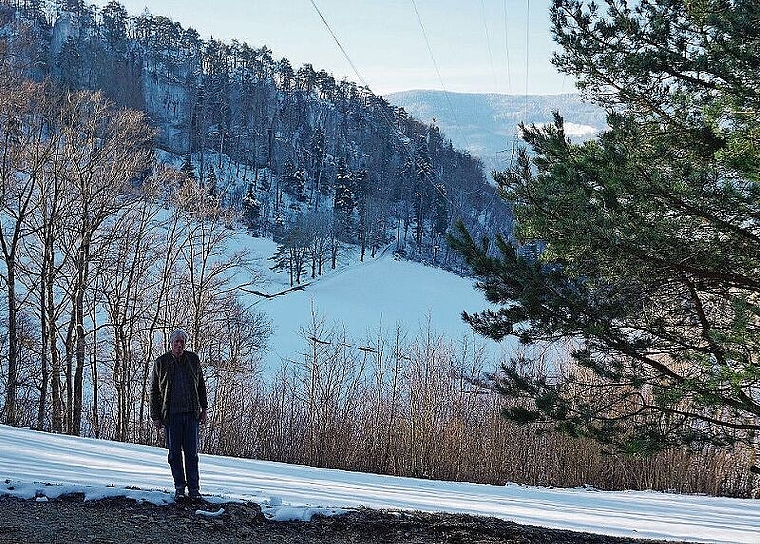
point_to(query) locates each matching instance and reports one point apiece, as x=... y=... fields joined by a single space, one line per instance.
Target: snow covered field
x=364 y=298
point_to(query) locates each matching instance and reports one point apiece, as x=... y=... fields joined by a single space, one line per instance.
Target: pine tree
x=648 y=237
x=188 y=169
x=344 y=202
x=252 y=209
x=211 y=182
x=114 y=18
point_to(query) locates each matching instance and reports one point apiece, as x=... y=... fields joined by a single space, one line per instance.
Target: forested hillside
x=105 y=247
x=289 y=148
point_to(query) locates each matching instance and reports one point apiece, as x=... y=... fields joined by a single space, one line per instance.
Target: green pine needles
x=638 y=251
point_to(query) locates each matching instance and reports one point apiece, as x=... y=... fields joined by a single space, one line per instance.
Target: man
x=178 y=402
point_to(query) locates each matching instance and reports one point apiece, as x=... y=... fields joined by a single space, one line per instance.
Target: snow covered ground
x=34 y=464
x=377 y=294
x=364 y=298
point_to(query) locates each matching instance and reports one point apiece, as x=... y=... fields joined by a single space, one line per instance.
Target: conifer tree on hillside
x=287 y=127
x=650 y=234
x=188 y=169
x=344 y=201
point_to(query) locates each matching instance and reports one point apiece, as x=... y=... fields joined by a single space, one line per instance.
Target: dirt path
x=70 y=520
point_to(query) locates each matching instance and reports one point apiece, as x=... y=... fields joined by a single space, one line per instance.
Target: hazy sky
x=481 y=46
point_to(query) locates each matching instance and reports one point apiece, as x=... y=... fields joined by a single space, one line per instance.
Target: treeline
x=102 y=253
x=275 y=142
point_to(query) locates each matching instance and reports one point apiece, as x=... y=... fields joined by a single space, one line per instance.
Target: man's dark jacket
x=161 y=386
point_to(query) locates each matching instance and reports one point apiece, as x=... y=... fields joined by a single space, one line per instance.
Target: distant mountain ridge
x=486 y=125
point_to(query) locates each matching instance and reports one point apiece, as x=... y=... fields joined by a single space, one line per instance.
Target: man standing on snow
x=178 y=402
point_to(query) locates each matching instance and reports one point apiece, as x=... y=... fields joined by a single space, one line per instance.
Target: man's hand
x=158 y=423
x=204 y=417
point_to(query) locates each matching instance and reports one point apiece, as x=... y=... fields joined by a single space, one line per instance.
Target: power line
x=488 y=44
x=390 y=123
x=506 y=46
x=440 y=78
x=337 y=41
x=427 y=42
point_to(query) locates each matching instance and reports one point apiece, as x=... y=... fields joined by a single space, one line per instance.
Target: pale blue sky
x=385 y=41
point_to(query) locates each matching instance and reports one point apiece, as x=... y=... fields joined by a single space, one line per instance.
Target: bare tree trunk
x=42 y=404
x=95 y=387
x=80 y=351
x=15 y=198
x=11 y=389
x=70 y=340
x=51 y=346
x=105 y=149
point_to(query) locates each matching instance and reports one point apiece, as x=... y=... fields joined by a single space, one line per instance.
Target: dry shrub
x=418 y=408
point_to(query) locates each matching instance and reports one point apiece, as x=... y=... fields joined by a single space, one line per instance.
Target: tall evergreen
x=648 y=237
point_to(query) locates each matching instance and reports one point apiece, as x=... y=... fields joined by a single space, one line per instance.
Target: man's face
x=178 y=345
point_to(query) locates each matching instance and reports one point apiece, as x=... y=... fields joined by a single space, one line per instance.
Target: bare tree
x=207 y=265
x=317 y=227
x=106 y=150
x=127 y=272
x=50 y=203
x=233 y=362
x=22 y=156
x=170 y=242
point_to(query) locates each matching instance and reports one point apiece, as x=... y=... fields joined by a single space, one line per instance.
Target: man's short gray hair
x=176 y=334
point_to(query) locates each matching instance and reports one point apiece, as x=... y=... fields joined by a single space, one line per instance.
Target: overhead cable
x=488 y=44
x=390 y=123
x=452 y=110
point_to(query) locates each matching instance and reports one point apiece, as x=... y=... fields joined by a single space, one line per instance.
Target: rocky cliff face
x=169 y=104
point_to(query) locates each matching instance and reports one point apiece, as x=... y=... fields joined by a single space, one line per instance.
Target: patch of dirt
x=71 y=520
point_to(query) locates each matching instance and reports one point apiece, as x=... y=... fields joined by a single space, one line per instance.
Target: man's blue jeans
x=182 y=436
